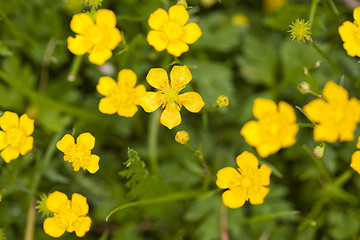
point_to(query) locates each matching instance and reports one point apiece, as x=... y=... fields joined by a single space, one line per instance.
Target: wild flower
x=349 y=33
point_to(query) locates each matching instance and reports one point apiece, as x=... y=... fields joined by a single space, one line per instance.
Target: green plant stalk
x=75 y=66
x=313 y=11
x=309 y=125
x=153 y=141
x=30 y=222
x=333 y=7
x=320 y=165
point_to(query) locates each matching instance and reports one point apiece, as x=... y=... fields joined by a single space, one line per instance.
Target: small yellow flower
x=275 y=129
x=349 y=33
x=15 y=136
x=355 y=158
x=337 y=117
x=69 y=215
x=79 y=154
x=222 y=101
x=240 y=19
x=168 y=95
x=182 y=137
x=248 y=185
x=273 y=5
x=170 y=32
x=121 y=97
x=98 y=39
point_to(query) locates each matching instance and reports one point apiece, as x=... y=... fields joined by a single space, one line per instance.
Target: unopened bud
x=299 y=31
x=92 y=3
x=304 y=87
x=182 y=137
x=318 y=151
x=222 y=101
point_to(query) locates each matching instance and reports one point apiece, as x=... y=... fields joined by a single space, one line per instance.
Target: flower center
x=122 y=96
x=15 y=137
x=173 y=30
x=170 y=95
x=66 y=217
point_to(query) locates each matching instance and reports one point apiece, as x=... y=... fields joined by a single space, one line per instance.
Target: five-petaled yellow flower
x=79 y=154
x=69 y=215
x=248 y=185
x=349 y=33
x=276 y=127
x=168 y=95
x=98 y=39
x=121 y=97
x=171 y=32
x=15 y=136
x=337 y=117
x=355 y=158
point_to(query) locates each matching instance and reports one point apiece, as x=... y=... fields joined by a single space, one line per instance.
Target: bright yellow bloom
x=15 y=136
x=337 y=117
x=170 y=32
x=168 y=95
x=349 y=33
x=69 y=215
x=275 y=129
x=79 y=154
x=248 y=185
x=355 y=158
x=98 y=39
x=182 y=137
x=121 y=97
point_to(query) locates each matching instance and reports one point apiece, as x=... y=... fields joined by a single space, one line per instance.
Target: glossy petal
x=26 y=124
x=177 y=47
x=27 y=145
x=105 y=18
x=9 y=120
x=158 y=18
x=10 y=153
x=250 y=131
x=334 y=93
x=316 y=110
x=127 y=111
x=171 y=117
x=357 y=144
x=79 y=205
x=259 y=197
x=140 y=92
x=56 y=201
x=287 y=111
x=228 y=177
x=356 y=15
x=106 y=85
x=66 y=144
x=127 y=78
x=262 y=107
x=78 y=45
x=289 y=138
x=192 y=101
x=179 y=14
x=53 y=228
x=265 y=173
x=268 y=148
x=180 y=76
x=100 y=57
x=158 y=40
x=323 y=132
x=107 y=106
x=158 y=78
x=93 y=166
x=3 y=141
x=115 y=38
x=80 y=23
x=247 y=160
x=355 y=161
x=83 y=226
x=151 y=101
x=86 y=140
x=192 y=33
x=233 y=199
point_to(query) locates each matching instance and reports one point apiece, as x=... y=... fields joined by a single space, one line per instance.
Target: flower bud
x=182 y=137
x=318 y=151
x=92 y=3
x=222 y=101
x=299 y=31
x=41 y=206
x=304 y=87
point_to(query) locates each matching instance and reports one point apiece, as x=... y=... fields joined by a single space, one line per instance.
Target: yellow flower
x=182 y=137
x=355 y=158
x=170 y=32
x=349 y=33
x=275 y=129
x=248 y=185
x=69 y=215
x=336 y=117
x=121 y=97
x=168 y=95
x=79 y=154
x=98 y=39
x=15 y=136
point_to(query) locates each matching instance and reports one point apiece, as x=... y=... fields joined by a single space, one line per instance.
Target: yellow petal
x=78 y=45
x=262 y=107
x=26 y=124
x=179 y=14
x=192 y=101
x=347 y=31
x=323 y=132
x=180 y=76
x=258 y=198
x=267 y=148
x=227 y=177
x=250 y=131
x=27 y=145
x=57 y=201
x=66 y=144
x=356 y=14
x=335 y=94
x=10 y=153
x=158 y=78
x=86 y=140
x=3 y=141
x=177 y=47
x=287 y=112
x=289 y=138
x=115 y=38
x=9 y=120
x=355 y=161
x=232 y=199
x=158 y=18
x=192 y=33
x=106 y=85
x=151 y=101
x=79 y=205
x=53 y=228
x=247 y=160
x=158 y=40
x=347 y=134
x=107 y=106
x=93 y=165
x=99 y=57
x=105 y=19
x=316 y=110
x=80 y=23
x=127 y=78
x=83 y=226
x=140 y=92
x=358 y=143
x=265 y=173
x=171 y=117
x=127 y=111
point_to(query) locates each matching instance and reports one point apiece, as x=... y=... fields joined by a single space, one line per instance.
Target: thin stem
x=312 y=11
x=153 y=141
x=223 y=222
x=319 y=164
x=333 y=7
x=75 y=66
x=31 y=220
x=309 y=125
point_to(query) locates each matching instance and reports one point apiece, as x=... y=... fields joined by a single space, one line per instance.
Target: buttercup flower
x=349 y=33
x=336 y=117
x=98 y=39
x=355 y=158
x=15 y=136
x=248 y=185
x=168 y=95
x=69 y=215
x=275 y=129
x=79 y=154
x=171 y=32
x=121 y=97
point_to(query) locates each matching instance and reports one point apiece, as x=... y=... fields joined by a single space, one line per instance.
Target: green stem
x=309 y=125
x=319 y=164
x=31 y=220
x=153 y=141
x=75 y=66
x=312 y=11
x=333 y=7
